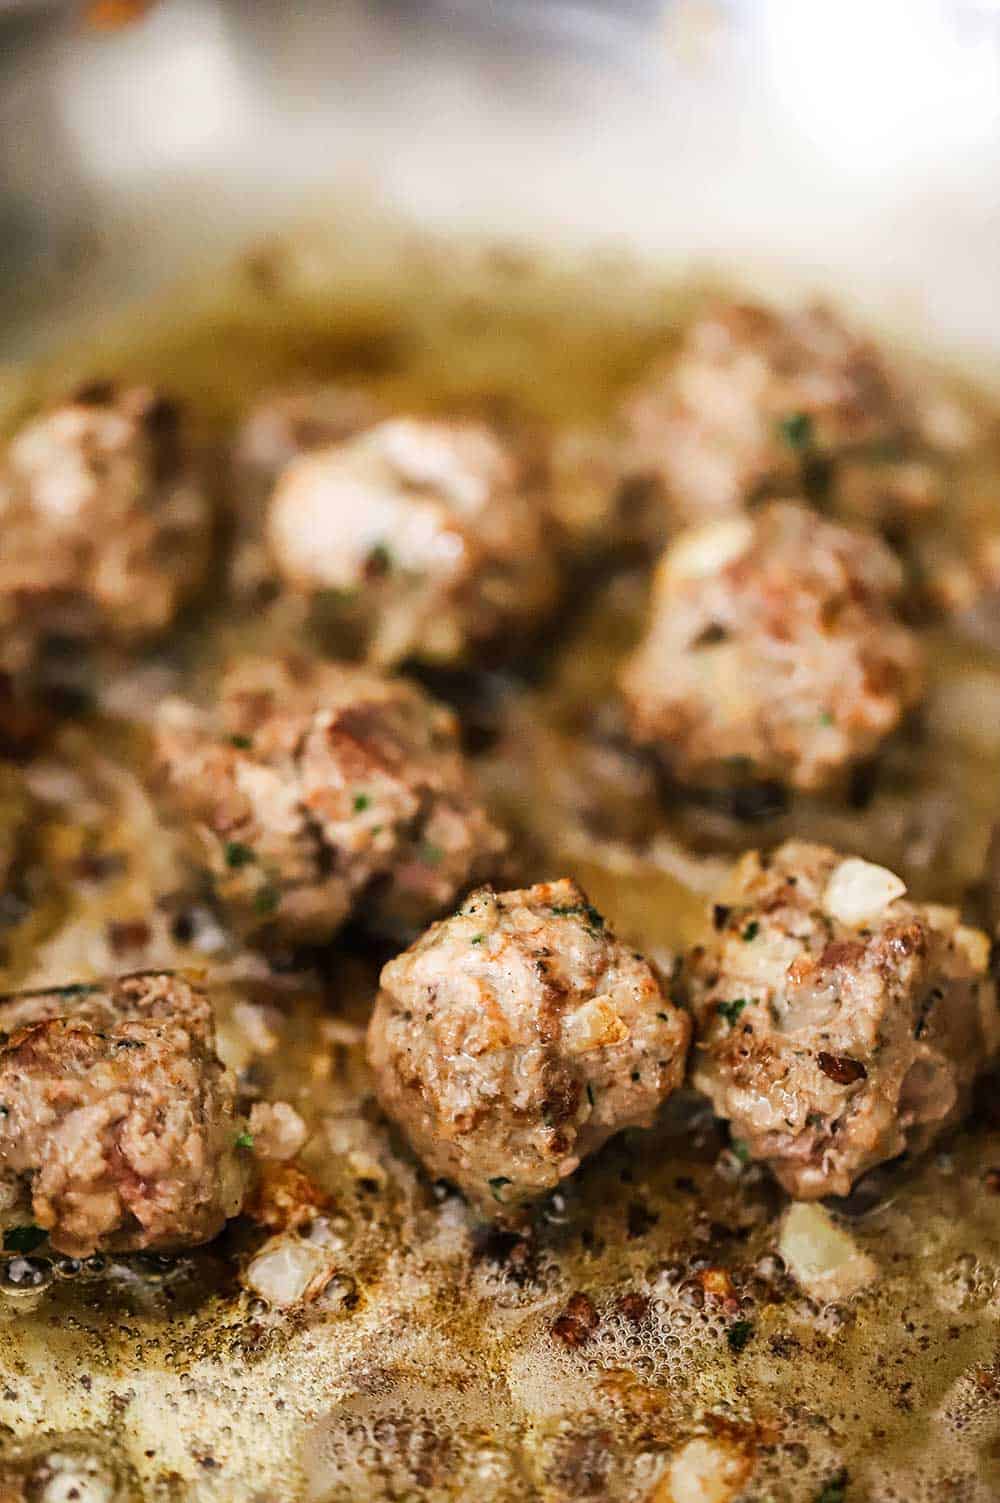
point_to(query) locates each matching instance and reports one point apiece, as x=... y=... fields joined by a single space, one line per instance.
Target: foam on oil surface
x=449 y=1361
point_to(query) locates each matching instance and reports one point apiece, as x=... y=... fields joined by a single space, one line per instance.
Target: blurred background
x=844 y=144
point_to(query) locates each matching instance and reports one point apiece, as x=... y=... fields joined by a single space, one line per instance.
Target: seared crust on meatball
x=106 y=529
x=837 y=1023
x=315 y=785
x=516 y=1037
x=429 y=529
x=773 y=652
x=119 y=1128
x=762 y=403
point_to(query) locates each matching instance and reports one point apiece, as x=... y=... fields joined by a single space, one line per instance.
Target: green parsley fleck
x=244 y=1140
x=739 y=1334
x=379 y=559
x=797 y=430
x=23 y=1239
x=731 y=1010
x=497 y=1184
x=592 y=918
x=834 y=1490
x=77 y=989
x=741 y=1150
x=477 y=939
x=237 y=854
x=361 y=803
x=431 y=855
x=242 y=743
x=751 y=931
x=826 y=718
x=267 y=898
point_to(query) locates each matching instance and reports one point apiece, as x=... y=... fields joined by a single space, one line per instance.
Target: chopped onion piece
x=821 y=1257
x=707 y=1469
x=75 y=1476
x=975 y=945
x=703 y=551
x=859 y=891
x=289 y=1271
x=277 y=1130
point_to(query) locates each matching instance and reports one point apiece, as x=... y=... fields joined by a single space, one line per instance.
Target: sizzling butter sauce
x=446 y=1360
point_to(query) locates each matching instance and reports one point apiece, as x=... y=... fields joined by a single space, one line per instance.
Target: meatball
x=837 y=1023
x=119 y=1128
x=516 y=1037
x=761 y=403
x=773 y=653
x=106 y=528
x=313 y=787
x=429 y=530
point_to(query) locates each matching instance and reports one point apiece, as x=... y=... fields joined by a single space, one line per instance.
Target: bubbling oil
x=439 y=1363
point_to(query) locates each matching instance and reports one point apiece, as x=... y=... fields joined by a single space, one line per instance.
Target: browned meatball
x=838 y=1024
x=428 y=529
x=761 y=403
x=315 y=786
x=118 y=1127
x=773 y=652
x=516 y=1037
x=106 y=529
